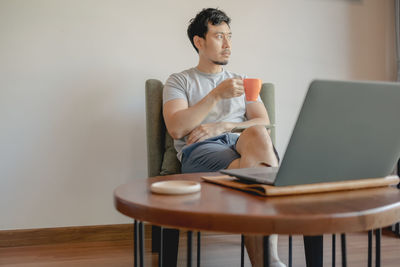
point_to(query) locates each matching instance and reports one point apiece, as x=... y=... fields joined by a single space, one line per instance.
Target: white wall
x=72 y=121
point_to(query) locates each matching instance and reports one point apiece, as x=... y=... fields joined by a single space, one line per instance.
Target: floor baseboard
x=43 y=236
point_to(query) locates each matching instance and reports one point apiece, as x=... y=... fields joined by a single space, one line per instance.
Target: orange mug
x=252 y=88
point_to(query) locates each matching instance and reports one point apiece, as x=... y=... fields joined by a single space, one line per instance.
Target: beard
x=222 y=63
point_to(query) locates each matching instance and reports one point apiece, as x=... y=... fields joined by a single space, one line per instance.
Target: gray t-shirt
x=193 y=85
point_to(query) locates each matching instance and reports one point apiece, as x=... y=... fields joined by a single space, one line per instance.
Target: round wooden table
x=222 y=209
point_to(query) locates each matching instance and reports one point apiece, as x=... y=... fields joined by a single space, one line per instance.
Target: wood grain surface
x=222 y=209
x=217 y=250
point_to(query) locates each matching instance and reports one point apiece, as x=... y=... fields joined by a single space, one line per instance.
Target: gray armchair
x=161 y=154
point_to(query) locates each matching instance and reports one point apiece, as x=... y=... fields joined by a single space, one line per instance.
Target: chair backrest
x=161 y=154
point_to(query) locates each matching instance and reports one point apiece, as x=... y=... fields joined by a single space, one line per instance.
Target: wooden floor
x=217 y=250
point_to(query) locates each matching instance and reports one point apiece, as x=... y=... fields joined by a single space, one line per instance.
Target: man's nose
x=227 y=43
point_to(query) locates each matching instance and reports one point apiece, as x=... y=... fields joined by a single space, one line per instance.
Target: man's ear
x=198 y=42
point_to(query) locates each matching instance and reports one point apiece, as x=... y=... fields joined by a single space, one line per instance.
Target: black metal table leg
x=135 y=243
x=333 y=250
x=141 y=244
x=242 y=251
x=370 y=248
x=189 y=248
x=344 y=257
x=314 y=250
x=198 y=248
x=266 y=250
x=160 y=255
x=290 y=250
x=170 y=246
x=378 y=234
x=155 y=239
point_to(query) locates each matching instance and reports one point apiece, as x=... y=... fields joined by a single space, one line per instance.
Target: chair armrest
x=241 y=129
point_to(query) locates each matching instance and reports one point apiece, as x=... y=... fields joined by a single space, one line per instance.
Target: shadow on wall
x=371 y=41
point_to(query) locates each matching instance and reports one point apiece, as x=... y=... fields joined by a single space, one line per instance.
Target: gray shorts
x=210 y=155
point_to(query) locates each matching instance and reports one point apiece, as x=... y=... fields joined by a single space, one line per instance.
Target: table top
x=222 y=209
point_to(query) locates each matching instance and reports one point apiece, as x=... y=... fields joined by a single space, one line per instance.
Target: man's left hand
x=204 y=131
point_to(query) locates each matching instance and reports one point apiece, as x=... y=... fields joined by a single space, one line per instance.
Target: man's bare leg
x=254 y=246
x=255 y=147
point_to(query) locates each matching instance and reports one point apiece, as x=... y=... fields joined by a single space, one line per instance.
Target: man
x=203 y=104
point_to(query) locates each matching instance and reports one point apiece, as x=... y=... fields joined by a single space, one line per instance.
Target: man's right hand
x=229 y=88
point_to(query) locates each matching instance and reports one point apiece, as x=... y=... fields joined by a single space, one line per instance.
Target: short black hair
x=199 y=24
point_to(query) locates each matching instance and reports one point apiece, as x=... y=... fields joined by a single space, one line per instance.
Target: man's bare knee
x=256 y=148
x=257 y=134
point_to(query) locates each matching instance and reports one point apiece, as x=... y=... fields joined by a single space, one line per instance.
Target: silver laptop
x=344 y=131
